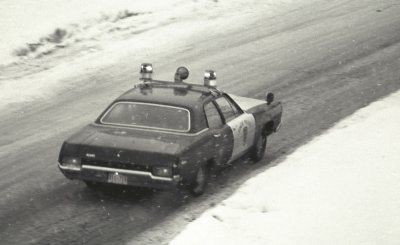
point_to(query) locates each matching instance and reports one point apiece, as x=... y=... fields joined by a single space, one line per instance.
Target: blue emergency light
x=146 y=70
x=210 y=78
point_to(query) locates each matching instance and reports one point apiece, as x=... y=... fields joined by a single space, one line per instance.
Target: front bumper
x=133 y=177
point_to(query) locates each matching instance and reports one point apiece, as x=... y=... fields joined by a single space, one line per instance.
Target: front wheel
x=258 y=150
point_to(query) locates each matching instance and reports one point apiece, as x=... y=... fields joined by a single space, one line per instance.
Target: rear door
x=221 y=134
x=242 y=126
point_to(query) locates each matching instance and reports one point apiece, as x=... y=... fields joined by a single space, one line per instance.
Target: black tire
x=200 y=181
x=258 y=150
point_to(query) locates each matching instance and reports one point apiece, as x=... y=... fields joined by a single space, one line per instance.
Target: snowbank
x=341 y=188
x=45 y=42
x=27 y=24
x=31 y=29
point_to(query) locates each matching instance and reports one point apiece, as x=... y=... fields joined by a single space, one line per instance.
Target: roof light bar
x=210 y=78
x=146 y=70
x=181 y=74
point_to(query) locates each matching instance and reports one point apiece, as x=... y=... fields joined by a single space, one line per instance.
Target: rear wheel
x=199 y=183
x=258 y=150
x=93 y=184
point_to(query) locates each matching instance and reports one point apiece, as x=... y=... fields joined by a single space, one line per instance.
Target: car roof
x=169 y=93
x=188 y=96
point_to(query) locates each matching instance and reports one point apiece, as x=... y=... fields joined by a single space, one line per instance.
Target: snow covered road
x=323 y=59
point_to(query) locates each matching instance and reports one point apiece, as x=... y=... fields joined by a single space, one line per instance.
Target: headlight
x=73 y=163
x=162 y=171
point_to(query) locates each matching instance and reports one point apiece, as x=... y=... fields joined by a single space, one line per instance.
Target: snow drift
x=341 y=188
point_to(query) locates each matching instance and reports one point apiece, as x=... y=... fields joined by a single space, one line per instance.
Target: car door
x=242 y=126
x=221 y=134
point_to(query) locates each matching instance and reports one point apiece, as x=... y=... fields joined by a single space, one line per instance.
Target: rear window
x=147 y=115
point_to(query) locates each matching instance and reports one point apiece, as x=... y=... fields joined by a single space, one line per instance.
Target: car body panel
x=247 y=104
x=244 y=128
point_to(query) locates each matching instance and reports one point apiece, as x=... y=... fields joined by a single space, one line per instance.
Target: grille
x=119 y=165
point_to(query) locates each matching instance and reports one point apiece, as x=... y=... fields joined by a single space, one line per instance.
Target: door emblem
x=244 y=135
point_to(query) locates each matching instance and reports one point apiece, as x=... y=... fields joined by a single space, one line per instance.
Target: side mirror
x=270 y=98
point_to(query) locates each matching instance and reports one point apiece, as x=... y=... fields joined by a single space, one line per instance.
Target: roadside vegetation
x=62 y=37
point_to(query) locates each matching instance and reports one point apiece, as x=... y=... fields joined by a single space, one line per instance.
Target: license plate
x=117 y=178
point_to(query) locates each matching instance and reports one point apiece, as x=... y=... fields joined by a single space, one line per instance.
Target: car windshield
x=146 y=115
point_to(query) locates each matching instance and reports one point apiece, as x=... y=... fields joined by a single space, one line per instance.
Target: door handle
x=217 y=135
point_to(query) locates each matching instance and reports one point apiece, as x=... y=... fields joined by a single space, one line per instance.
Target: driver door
x=242 y=126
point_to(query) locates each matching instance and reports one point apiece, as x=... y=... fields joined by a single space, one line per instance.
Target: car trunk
x=132 y=149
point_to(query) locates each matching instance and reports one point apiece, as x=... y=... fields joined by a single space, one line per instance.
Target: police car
x=168 y=134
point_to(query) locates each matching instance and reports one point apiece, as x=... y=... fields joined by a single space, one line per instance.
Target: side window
x=213 y=117
x=235 y=108
x=226 y=108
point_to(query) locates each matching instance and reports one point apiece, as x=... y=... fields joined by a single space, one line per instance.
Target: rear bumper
x=134 y=178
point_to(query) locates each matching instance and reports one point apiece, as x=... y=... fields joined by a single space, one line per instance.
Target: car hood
x=247 y=104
